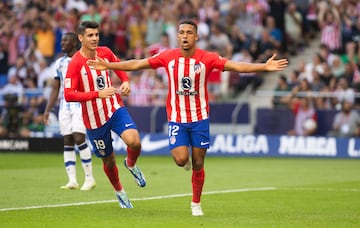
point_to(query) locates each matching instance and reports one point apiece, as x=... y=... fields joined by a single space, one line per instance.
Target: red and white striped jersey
x=83 y=84
x=331 y=36
x=187 y=99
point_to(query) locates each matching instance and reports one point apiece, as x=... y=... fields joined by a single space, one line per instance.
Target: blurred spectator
x=326 y=75
x=32 y=119
x=239 y=40
x=60 y=28
x=207 y=11
x=343 y=92
x=293 y=28
x=346 y=122
x=348 y=14
x=308 y=15
x=276 y=34
x=45 y=39
x=329 y=23
x=19 y=70
x=316 y=64
x=92 y=14
x=350 y=55
x=79 y=5
x=245 y=23
x=240 y=81
x=170 y=22
x=303 y=89
x=4 y=66
x=276 y=22
x=293 y=79
x=204 y=33
x=23 y=38
x=107 y=34
x=317 y=84
x=326 y=54
x=304 y=113
x=10 y=120
x=265 y=46
x=282 y=91
x=154 y=25
x=220 y=41
x=121 y=43
x=186 y=8
x=137 y=30
x=337 y=67
x=156 y=48
x=140 y=89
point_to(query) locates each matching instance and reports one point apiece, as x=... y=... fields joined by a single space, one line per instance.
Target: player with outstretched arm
x=188 y=69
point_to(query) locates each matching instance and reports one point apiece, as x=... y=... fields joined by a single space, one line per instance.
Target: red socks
x=132 y=155
x=198 y=178
x=113 y=176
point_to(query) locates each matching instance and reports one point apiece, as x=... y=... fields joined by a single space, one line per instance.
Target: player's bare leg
x=181 y=157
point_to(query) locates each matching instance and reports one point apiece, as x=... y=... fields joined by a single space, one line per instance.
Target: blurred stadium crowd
x=242 y=30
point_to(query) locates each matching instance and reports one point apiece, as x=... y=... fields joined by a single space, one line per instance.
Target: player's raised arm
x=129 y=65
x=270 y=65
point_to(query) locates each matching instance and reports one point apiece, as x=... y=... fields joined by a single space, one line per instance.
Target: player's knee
x=197 y=165
x=134 y=143
x=180 y=161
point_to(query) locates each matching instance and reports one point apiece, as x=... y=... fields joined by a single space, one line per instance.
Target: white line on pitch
x=322 y=189
x=138 y=199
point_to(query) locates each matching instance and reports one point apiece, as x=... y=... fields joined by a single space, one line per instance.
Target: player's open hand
x=97 y=63
x=273 y=65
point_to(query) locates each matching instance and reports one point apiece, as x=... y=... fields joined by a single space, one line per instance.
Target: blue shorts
x=100 y=138
x=196 y=134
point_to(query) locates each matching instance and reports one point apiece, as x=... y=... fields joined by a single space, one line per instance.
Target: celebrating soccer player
x=188 y=69
x=103 y=109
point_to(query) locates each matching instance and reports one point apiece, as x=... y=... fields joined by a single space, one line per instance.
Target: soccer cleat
x=136 y=172
x=70 y=186
x=196 y=209
x=187 y=166
x=124 y=201
x=88 y=185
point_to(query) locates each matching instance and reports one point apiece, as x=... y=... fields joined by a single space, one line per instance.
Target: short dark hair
x=85 y=25
x=189 y=22
x=72 y=35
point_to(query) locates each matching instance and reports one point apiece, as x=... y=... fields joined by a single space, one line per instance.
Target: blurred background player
x=103 y=110
x=70 y=120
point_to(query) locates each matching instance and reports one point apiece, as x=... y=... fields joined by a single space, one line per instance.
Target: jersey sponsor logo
x=149 y=145
x=186 y=83
x=186 y=93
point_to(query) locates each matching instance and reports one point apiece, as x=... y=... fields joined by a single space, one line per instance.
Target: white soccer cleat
x=123 y=199
x=70 y=186
x=196 y=209
x=88 y=185
x=138 y=175
x=187 y=166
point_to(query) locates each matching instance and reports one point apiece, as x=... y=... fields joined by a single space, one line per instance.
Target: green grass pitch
x=238 y=192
